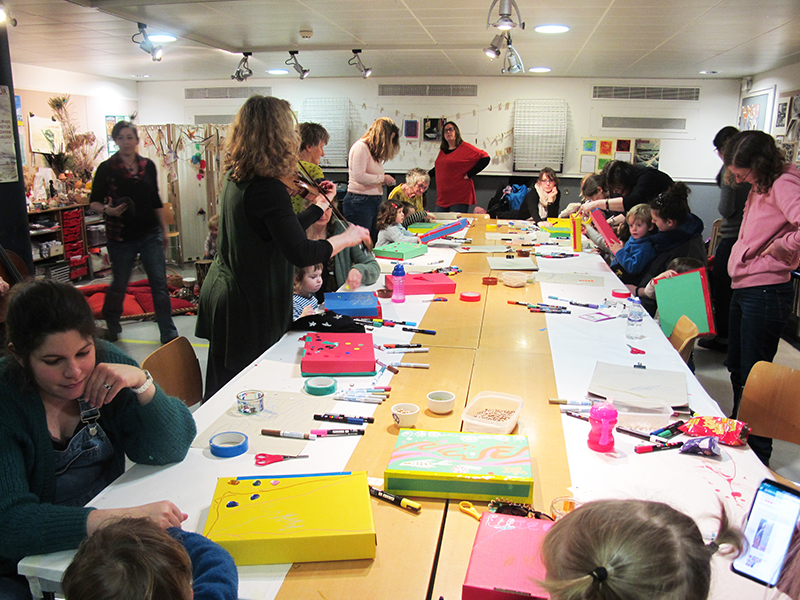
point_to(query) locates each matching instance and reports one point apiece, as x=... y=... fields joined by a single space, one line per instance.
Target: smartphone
x=770 y=525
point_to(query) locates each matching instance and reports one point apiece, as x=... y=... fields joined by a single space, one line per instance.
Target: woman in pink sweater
x=762 y=259
x=366 y=177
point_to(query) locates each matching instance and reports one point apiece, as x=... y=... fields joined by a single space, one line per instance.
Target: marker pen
x=337 y=432
x=402 y=345
x=407 y=350
x=396 y=500
x=344 y=419
x=288 y=434
x=388 y=367
x=670 y=431
x=411 y=365
x=415 y=330
x=642 y=436
x=656 y=448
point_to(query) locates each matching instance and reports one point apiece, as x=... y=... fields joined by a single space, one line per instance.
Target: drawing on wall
x=433 y=129
x=590 y=145
x=411 y=129
x=45 y=135
x=588 y=162
x=602 y=162
x=624 y=156
x=647 y=152
x=756 y=109
x=8 y=151
x=781 y=117
x=606 y=147
x=793 y=118
x=790 y=150
x=623 y=146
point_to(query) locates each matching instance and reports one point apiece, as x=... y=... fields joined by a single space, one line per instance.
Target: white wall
x=686 y=156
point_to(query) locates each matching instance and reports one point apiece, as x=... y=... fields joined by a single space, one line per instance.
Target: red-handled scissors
x=262 y=460
x=635 y=350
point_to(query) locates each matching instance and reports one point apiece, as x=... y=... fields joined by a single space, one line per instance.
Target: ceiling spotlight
x=512 y=61
x=292 y=61
x=493 y=49
x=356 y=62
x=156 y=52
x=505 y=22
x=243 y=71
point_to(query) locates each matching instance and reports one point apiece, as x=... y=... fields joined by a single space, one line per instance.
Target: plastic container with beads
x=492 y=412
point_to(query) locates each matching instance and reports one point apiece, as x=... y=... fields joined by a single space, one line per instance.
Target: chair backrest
x=771 y=402
x=169 y=214
x=176 y=369
x=716 y=236
x=683 y=336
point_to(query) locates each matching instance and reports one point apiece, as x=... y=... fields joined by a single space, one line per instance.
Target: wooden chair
x=169 y=219
x=176 y=369
x=771 y=402
x=683 y=336
x=715 y=238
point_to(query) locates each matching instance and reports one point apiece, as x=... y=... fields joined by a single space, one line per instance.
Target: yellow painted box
x=460 y=465
x=293 y=518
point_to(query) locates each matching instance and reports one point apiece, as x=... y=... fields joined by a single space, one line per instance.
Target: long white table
x=692 y=484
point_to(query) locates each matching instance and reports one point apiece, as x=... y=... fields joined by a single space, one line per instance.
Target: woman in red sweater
x=458 y=162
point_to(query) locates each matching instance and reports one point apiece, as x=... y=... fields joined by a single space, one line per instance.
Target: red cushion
x=129 y=305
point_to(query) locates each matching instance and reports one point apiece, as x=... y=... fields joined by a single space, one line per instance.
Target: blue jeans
x=362 y=210
x=757 y=318
x=150 y=248
x=721 y=286
x=462 y=208
x=85 y=468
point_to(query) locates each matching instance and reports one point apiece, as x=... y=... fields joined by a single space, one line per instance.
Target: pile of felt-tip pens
x=370 y=395
x=374 y=322
x=540 y=307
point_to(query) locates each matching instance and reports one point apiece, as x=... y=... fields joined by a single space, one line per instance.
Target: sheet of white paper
x=638 y=387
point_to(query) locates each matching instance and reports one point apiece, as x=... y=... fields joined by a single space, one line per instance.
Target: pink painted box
x=338 y=354
x=506 y=560
x=426 y=283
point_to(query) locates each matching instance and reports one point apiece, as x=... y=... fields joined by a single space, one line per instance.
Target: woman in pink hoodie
x=762 y=259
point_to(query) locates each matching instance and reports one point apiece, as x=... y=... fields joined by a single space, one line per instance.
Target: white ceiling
x=402 y=38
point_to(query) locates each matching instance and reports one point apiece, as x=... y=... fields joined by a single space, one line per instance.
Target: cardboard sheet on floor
x=642 y=388
x=289 y=411
x=518 y=263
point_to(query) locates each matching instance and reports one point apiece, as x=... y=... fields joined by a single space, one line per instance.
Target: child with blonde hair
x=210 y=248
x=390 y=224
x=631 y=550
x=638 y=252
x=307 y=281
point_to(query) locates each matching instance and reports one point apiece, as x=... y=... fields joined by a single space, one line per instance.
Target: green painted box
x=401 y=250
x=462 y=466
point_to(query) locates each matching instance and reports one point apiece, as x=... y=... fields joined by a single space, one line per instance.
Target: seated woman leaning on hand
x=71 y=409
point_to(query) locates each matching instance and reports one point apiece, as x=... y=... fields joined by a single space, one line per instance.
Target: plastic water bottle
x=602 y=418
x=398 y=283
x=635 y=318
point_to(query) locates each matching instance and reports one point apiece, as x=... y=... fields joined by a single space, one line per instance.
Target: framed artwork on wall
x=411 y=129
x=781 y=120
x=756 y=109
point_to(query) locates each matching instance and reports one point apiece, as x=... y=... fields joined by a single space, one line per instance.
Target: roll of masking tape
x=320 y=386
x=470 y=296
x=489 y=281
x=621 y=293
x=228 y=444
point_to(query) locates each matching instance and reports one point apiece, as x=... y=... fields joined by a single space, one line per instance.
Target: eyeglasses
x=744 y=178
x=503 y=507
x=446 y=129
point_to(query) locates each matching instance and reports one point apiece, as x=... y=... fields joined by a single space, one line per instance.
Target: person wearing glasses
x=457 y=163
x=762 y=259
x=413 y=190
x=313 y=139
x=731 y=207
x=541 y=203
x=628 y=185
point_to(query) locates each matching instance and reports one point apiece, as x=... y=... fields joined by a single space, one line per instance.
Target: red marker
x=656 y=448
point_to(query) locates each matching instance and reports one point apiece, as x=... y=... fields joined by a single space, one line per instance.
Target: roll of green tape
x=320 y=386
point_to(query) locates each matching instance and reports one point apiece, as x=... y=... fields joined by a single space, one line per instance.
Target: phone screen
x=770 y=525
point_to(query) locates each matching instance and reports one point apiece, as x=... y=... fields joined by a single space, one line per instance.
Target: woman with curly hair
x=246 y=300
x=762 y=259
x=366 y=176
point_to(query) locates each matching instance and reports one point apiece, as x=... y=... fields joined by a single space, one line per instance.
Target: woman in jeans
x=366 y=177
x=762 y=259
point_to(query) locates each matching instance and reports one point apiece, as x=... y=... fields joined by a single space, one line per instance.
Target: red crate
x=72 y=233
x=71 y=218
x=77 y=273
x=74 y=247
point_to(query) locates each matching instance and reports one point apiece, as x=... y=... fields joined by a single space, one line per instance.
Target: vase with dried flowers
x=80 y=149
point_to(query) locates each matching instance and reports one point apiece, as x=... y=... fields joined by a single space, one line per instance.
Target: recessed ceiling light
x=708 y=72
x=539 y=70
x=162 y=38
x=551 y=29
x=278 y=72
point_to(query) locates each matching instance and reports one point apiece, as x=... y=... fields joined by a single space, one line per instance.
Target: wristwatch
x=147 y=383
x=607 y=205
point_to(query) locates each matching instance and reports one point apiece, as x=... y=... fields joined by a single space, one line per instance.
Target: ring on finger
x=107 y=386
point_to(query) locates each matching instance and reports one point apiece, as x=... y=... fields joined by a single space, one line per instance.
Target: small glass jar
x=250 y=402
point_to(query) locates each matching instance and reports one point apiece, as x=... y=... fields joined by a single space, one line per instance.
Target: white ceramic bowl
x=405 y=415
x=441 y=402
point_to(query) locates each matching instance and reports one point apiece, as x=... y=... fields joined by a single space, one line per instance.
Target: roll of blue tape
x=320 y=386
x=228 y=444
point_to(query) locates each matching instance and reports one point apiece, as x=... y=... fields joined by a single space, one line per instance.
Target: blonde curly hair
x=382 y=139
x=262 y=140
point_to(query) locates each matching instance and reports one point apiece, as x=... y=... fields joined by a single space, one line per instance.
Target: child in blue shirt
x=638 y=252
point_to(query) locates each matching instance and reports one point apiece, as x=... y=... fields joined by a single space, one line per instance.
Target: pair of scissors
x=635 y=350
x=466 y=507
x=262 y=460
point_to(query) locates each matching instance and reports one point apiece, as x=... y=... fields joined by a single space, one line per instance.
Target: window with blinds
x=333 y=115
x=540 y=134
